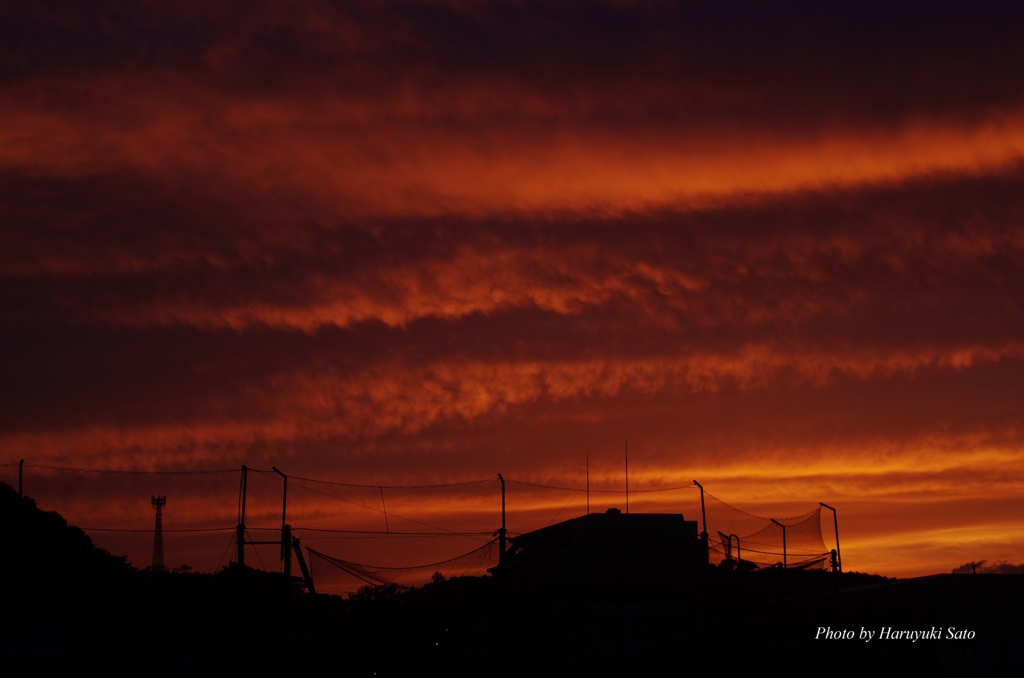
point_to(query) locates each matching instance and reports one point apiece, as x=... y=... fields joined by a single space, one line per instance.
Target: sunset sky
x=779 y=247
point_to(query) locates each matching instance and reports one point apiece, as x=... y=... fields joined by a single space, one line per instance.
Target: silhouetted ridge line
x=593 y=491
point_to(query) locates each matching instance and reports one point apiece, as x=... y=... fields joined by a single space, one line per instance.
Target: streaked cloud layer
x=778 y=247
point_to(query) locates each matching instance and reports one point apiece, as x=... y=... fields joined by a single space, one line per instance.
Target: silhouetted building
x=609 y=546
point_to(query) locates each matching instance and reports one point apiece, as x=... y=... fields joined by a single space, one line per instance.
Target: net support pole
x=501 y=532
x=240 y=536
x=785 y=564
x=286 y=555
x=739 y=556
x=835 y=523
x=703 y=524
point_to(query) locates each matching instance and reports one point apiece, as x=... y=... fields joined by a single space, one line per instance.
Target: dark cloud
x=777 y=245
x=788 y=65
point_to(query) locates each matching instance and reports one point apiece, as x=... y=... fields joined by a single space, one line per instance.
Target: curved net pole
x=785 y=564
x=704 y=525
x=835 y=521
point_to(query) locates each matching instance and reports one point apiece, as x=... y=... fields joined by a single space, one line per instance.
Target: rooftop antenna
x=627 y=476
x=158 y=536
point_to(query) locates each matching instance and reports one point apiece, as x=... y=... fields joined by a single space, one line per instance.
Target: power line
x=580 y=489
x=397 y=487
x=62 y=491
x=257 y=552
x=385 y=487
x=126 y=471
x=231 y=541
x=371 y=508
x=150 y=531
x=563 y=508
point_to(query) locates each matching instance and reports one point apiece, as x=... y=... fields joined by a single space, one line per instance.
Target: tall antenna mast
x=158 y=536
x=627 y=476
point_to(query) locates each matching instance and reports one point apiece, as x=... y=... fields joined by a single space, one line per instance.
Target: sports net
x=336 y=575
x=800 y=546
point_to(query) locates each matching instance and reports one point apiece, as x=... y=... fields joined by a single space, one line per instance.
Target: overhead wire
x=371 y=508
x=150 y=530
x=61 y=492
x=129 y=471
x=398 y=487
x=226 y=549
x=257 y=552
x=595 y=491
x=563 y=508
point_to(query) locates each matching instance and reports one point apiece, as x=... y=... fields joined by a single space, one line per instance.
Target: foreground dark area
x=70 y=608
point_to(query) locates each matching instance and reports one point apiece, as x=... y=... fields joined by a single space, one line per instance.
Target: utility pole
x=785 y=564
x=240 y=531
x=588 y=484
x=286 y=531
x=501 y=532
x=158 y=536
x=835 y=522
